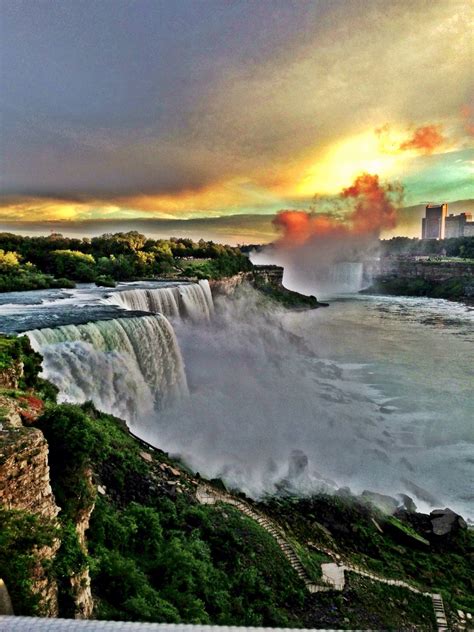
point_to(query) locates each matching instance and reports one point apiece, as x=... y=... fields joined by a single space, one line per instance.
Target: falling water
x=126 y=366
x=189 y=301
x=346 y=277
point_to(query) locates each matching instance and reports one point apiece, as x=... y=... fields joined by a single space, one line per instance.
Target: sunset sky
x=130 y=111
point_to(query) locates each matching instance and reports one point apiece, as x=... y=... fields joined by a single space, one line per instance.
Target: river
x=371 y=393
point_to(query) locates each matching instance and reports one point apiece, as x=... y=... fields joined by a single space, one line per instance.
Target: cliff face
x=228 y=285
x=81 y=581
x=11 y=375
x=25 y=485
x=269 y=281
x=439 y=279
x=432 y=271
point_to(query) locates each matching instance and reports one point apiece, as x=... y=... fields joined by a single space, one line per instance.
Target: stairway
x=440 y=614
x=332 y=573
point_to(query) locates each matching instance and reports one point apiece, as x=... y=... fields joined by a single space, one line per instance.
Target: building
x=433 y=224
x=437 y=224
x=455 y=225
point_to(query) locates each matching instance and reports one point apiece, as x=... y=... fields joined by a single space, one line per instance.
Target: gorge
x=217 y=378
x=176 y=377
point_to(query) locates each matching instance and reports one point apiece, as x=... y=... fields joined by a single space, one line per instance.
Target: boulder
x=446 y=521
x=407 y=503
x=385 y=503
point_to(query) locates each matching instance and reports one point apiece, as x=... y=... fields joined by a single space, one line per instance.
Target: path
x=333 y=573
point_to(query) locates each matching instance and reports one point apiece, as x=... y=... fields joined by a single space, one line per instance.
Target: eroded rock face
x=25 y=485
x=227 y=286
x=81 y=582
x=24 y=471
x=10 y=376
x=446 y=521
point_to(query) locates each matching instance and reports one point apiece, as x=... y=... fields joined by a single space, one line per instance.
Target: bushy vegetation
x=453 y=288
x=153 y=559
x=28 y=263
x=16 y=275
x=20 y=534
x=454 y=247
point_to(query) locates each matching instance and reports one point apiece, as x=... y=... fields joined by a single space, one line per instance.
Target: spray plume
x=368 y=206
x=322 y=250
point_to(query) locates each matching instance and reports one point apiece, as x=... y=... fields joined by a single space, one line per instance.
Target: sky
x=127 y=112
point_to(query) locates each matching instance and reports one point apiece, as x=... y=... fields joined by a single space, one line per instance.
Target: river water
x=371 y=393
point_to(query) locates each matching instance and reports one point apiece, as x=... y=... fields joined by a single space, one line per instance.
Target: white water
x=127 y=366
x=373 y=392
x=192 y=301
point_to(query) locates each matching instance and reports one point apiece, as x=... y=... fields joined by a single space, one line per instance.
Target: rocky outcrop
x=228 y=285
x=10 y=376
x=445 y=522
x=385 y=503
x=24 y=469
x=25 y=485
x=269 y=281
x=81 y=581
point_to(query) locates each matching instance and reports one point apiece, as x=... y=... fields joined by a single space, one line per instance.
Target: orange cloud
x=426 y=138
x=370 y=207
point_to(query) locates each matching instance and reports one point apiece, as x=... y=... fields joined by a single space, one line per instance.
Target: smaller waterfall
x=192 y=301
x=346 y=277
x=125 y=366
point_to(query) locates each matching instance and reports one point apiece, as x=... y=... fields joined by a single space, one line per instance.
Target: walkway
x=333 y=574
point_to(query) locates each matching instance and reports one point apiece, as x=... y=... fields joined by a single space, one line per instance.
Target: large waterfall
x=192 y=300
x=126 y=366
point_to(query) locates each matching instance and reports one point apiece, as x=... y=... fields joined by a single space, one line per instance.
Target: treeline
x=454 y=247
x=56 y=261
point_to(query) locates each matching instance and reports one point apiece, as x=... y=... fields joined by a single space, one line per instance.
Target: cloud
x=258 y=117
x=427 y=139
x=365 y=208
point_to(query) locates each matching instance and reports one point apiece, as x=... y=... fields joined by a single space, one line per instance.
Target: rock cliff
x=25 y=486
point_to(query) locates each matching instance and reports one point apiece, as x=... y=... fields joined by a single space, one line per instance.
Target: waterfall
x=192 y=301
x=345 y=277
x=127 y=367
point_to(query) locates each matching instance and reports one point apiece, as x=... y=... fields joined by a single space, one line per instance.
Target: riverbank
x=431 y=277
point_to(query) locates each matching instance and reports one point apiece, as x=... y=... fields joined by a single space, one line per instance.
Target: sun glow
x=340 y=164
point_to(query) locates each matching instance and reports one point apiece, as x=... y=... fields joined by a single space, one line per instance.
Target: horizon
x=237 y=229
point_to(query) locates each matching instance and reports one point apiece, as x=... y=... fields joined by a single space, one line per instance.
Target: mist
x=322 y=250
x=268 y=411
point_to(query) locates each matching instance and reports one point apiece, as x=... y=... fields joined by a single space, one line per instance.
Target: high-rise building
x=437 y=224
x=433 y=224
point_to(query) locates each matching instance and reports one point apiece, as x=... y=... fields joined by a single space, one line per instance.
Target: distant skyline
x=124 y=110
